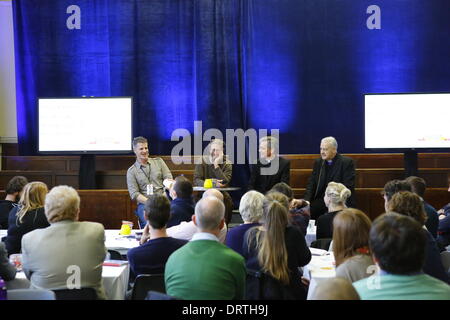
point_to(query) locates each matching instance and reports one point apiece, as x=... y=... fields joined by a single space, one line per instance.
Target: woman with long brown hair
x=351 y=229
x=27 y=216
x=274 y=251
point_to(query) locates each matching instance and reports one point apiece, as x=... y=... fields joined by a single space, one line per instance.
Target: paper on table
x=318 y=252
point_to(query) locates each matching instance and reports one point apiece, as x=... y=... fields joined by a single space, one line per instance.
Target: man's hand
x=220 y=184
x=218 y=160
x=145 y=235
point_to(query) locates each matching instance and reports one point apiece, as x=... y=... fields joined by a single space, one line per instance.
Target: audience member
x=275 y=251
x=335 y=198
x=297 y=215
x=156 y=246
x=332 y=166
x=27 y=216
x=351 y=229
x=145 y=176
x=335 y=289
x=397 y=243
x=418 y=186
x=392 y=187
x=250 y=209
x=7 y=270
x=270 y=168
x=214 y=166
x=182 y=205
x=52 y=255
x=186 y=230
x=204 y=268
x=410 y=204
x=443 y=238
x=13 y=192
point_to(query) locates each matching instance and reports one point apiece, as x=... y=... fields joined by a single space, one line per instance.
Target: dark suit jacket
x=343 y=171
x=264 y=183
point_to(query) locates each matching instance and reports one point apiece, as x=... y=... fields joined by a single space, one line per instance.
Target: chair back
x=31 y=294
x=323 y=244
x=76 y=294
x=147 y=282
x=154 y=295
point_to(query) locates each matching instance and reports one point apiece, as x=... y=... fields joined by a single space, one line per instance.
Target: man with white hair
x=271 y=168
x=331 y=166
x=205 y=268
x=52 y=256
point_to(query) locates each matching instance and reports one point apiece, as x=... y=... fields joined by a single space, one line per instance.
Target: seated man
x=186 y=230
x=270 y=169
x=418 y=186
x=214 y=166
x=155 y=245
x=182 y=205
x=330 y=167
x=204 y=268
x=13 y=192
x=65 y=246
x=146 y=176
x=443 y=238
x=397 y=244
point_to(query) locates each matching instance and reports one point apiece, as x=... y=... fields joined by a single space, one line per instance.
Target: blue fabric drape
x=300 y=66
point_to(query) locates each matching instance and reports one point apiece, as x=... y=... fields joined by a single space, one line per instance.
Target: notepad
x=114 y=263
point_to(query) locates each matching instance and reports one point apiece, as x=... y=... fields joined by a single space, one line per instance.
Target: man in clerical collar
x=271 y=168
x=146 y=176
x=331 y=166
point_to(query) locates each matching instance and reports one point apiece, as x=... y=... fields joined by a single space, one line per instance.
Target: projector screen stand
x=410 y=162
x=86 y=174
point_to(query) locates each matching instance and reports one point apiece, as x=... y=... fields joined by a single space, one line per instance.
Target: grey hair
x=62 y=203
x=251 y=206
x=337 y=193
x=209 y=212
x=331 y=141
x=272 y=142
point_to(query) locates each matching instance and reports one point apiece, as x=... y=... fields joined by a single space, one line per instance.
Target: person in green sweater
x=205 y=269
x=397 y=243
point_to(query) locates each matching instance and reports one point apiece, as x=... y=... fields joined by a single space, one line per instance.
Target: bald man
x=223 y=273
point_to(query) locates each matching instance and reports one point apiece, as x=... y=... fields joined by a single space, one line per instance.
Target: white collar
x=204 y=236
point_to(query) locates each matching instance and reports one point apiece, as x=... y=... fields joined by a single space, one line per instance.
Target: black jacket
x=343 y=171
x=264 y=183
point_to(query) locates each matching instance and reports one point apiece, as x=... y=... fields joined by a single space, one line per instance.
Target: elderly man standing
x=146 y=176
x=205 y=268
x=271 y=168
x=330 y=167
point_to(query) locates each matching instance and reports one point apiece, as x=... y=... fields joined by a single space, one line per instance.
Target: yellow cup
x=208 y=183
x=125 y=230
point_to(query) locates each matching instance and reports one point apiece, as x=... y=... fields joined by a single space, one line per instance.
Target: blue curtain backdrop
x=300 y=66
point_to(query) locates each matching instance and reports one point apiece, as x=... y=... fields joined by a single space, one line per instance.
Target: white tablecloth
x=120 y=243
x=115 y=281
x=319 y=269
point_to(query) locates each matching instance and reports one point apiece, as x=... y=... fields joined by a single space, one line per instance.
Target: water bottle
x=3 y=292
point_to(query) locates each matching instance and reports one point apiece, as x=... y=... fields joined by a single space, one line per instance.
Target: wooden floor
x=111 y=203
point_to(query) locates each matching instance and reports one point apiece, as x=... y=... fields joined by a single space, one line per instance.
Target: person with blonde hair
x=351 y=228
x=335 y=198
x=274 y=252
x=67 y=244
x=27 y=216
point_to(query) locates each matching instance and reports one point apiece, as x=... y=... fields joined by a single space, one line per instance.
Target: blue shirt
x=151 y=257
x=181 y=209
x=235 y=236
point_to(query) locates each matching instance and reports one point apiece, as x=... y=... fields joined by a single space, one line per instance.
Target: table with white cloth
x=115 y=281
x=320 y=268
x=120 y=243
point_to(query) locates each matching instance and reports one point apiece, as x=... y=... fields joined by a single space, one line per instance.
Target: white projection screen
x=85 y=125
x=407 y=120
